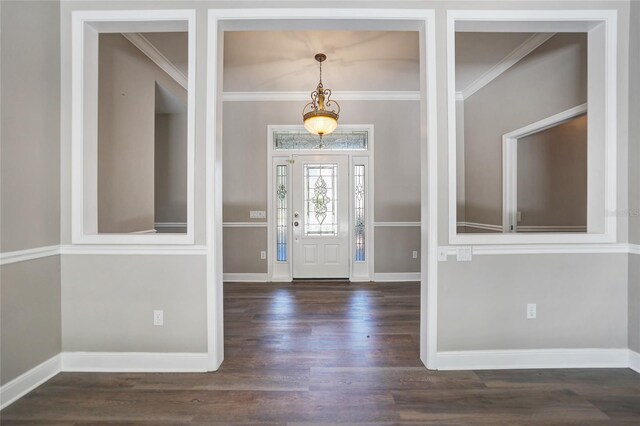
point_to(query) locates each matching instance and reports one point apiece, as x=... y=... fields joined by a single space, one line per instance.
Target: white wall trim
x=244 y=278
x=170 y=224
x=484 y=226
x=85 y=27
x=135 y=362
x=533 y=358
x=422 y=20
x=163 y=250
x=245 y=224
x=600 y=25
x=505 y=249
x=28 y=254
x=395 y=224
x=634 y=248
x=152 y=52
x=510 y=167
x=304 y=96
x=26 y=382
x=396 y=276
x=634 y=361
x=551 y=228
x=517 y=54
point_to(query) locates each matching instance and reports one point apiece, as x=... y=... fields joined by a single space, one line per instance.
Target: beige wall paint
x=241 y=247
x=30 y=125
x=552 y=176
x=30 y=331
x=397 y=170
x=581 y=302
x=126 y=116
x=30 y=325
x=551 y=79
x=394 y=249
x=108 y=303
x=170 y=168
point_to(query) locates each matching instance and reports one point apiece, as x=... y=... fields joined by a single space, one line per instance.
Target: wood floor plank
x=326 y=353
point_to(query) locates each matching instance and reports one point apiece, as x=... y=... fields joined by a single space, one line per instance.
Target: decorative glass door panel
x=320 y=223
x=320 y=200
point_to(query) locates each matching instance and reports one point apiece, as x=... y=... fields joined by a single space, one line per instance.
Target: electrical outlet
x=263 y=255
x=415 y=254
x=464 y=254
x=531 y=311
x=158 y=318
x=519 y=216
x=442 y=254
x=257 y=214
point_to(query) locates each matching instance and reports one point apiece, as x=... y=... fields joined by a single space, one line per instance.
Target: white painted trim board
x=533 y=358
x=26 y=382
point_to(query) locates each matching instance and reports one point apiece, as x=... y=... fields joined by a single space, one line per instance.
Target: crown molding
x=145 y=46
x=507 y=62
x=304 y=96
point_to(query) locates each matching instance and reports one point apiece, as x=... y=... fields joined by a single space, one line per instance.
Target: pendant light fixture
x=317 y=118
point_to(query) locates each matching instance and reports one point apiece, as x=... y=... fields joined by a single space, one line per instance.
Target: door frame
x=510 y=162
x=421 y=20
x=284 y=156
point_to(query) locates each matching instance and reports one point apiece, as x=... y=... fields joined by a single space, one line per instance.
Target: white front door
x=320 y=201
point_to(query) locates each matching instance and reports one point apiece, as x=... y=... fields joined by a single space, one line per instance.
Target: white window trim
x=113 y=21
x=539 y=21
x=510 y=165
x=421 y=20
x=358 y=271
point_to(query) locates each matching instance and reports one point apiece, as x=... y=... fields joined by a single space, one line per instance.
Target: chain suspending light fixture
x=317 y=118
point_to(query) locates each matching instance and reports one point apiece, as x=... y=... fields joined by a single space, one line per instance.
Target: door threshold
x=323 y=280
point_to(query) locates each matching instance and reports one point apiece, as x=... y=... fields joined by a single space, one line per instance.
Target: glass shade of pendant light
x=321 y=114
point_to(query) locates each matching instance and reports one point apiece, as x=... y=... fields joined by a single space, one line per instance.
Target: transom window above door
x=346 y=140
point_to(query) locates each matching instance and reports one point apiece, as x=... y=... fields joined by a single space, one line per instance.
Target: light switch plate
x=464 y=253
x=257 y=214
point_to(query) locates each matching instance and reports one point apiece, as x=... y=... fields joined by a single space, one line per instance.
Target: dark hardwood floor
x=326 y=353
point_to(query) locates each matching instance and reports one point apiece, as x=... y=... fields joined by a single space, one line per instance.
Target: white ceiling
x=263 y=61
x=356 y=60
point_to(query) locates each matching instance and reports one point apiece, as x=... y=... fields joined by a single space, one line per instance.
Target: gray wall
x=126 y=117
x=170 y=168
x=108 y=303
x=551 y=79
x=634 y=177
x=552 y=176
x=581 y=302
x=30 y=183
x=397 y=177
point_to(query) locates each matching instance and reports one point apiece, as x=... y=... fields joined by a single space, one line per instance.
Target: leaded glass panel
x=281 y=213
x=359 y=211
x=338 y=140
x=320 y=200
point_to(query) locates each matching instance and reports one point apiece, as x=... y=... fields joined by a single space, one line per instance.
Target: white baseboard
x=396 y=276
x=634 y=360
x=533 y=358
x=28 y=381
x=135 y=362
x=244 y=278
